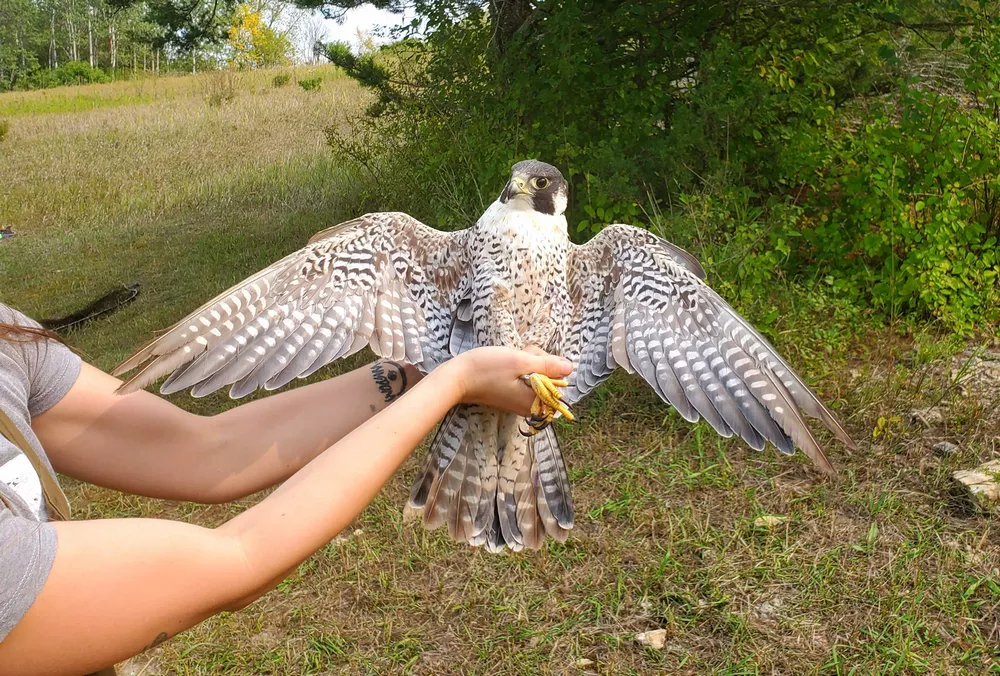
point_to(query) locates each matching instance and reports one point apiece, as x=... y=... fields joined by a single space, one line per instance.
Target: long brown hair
x=26 y=334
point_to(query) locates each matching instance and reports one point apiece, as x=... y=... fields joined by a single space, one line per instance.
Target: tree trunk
x=113 y=45
x=194 y=60
x=19 y=41
x=507 y=17
x=53 y=51
x=71 y=26
x=90 y=35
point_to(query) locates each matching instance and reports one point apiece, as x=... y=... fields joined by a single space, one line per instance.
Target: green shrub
x=71 y=73
x=904 y=213
x=281 y=80
x=311 y=84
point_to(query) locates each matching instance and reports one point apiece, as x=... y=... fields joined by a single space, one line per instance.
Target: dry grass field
x=880 y=571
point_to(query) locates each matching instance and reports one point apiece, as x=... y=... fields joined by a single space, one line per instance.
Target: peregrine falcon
x=414 y=294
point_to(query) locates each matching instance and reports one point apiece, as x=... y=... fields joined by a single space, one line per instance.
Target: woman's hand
x=491 y=376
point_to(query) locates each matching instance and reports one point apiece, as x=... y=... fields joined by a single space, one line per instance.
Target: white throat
x=518 y=213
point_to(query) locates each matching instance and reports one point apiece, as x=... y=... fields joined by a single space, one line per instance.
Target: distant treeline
x=46 y=43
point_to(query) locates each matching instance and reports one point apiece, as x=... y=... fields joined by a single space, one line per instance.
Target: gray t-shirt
x=34 y=376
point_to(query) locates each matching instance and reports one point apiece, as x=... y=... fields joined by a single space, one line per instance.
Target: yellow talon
x=547 y=393
x=536 y=407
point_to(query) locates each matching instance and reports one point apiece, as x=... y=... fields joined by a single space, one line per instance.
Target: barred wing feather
x=640 y=304
x=384 y=280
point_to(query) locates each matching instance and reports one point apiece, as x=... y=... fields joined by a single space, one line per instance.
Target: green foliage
x=72 y=73
x=339 y=53
x=4 y=129
x=829 y=121
x=368 y=71
x=45 y=44
x=281 y=80
x=904 y=214
x=311 y=84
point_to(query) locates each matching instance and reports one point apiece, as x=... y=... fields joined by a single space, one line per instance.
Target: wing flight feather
x=384 y=280
x=640 y=303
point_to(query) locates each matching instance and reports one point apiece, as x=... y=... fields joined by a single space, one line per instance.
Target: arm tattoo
x=390 y=377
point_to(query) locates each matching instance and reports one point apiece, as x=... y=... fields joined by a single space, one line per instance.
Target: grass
x=878 y=572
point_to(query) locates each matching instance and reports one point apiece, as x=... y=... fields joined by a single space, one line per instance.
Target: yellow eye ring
x=540 y=183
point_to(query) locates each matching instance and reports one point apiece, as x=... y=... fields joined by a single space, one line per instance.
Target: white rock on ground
x=981 y=485
x=655 y=639
x=769 y=521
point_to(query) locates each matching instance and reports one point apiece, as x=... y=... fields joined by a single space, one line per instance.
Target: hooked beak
x=515 y=186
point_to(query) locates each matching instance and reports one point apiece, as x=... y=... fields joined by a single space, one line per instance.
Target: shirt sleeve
x=27 y=550
x=51 y=367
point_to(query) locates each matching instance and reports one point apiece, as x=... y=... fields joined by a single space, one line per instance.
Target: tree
x=254 y=43
x=313 y=35
x=52 y=42
x=18 y=35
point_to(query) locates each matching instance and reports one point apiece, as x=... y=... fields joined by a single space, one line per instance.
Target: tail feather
x=486 y=510
x=553 y=478
x=527 y=496
x=459 y=495
x=514 y=457
x=444 y=447
x=493 y=486
x=495 y=542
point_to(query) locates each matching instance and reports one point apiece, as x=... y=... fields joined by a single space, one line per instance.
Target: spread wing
x=640 y=303
x=384 y=280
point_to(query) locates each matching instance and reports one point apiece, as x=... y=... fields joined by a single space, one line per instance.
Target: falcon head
x=537 y=186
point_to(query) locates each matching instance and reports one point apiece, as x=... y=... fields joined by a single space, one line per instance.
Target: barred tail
x=493 y=486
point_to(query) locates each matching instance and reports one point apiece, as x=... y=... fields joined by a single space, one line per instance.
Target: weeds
x=221 y=86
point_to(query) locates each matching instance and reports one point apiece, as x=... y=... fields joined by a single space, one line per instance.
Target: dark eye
x=540 y=183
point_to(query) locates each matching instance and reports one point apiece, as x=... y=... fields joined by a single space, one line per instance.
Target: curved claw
x=536 y=423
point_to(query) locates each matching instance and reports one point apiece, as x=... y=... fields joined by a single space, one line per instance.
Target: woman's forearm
x=262 y=443
x=337 y=485
x=145 y=445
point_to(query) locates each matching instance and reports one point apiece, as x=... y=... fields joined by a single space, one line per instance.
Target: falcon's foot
x=548 y=403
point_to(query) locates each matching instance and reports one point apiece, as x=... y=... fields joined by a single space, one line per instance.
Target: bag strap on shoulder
x=55 y=499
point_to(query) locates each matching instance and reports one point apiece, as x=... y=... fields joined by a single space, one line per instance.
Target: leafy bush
x=904 y=212
x=4 y=129
x=866 y=148
x=281 y=80
x=311 y=84
x=71 y=73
